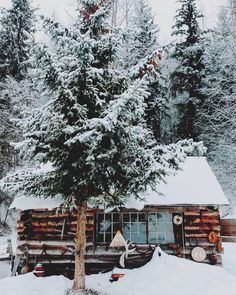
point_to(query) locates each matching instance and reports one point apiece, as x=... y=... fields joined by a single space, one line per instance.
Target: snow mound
x=28 y=284
x=163 y=275
x=229 y=257
x=168 y=275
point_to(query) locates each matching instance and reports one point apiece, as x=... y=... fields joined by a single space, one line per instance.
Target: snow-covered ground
x=229 y=258
x=5 y=270
x=164 y=275
x=4 y=265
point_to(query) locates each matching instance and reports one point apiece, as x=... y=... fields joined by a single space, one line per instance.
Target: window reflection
x=134 y=227
x=160 y=228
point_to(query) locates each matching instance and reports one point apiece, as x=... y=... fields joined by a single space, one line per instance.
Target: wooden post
x=80 y=241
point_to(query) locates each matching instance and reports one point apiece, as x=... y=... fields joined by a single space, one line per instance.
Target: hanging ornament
x=212 y=237
x=142 y=72
x=219 y=247
x=178 y=219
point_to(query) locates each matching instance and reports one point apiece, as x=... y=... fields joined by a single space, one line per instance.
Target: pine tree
x=17 y=24
x=216 y=118
x=144 y=41
x=141 y=46
x=92 y=134
x=5 y=137
x=16 y=99
x=187 y=76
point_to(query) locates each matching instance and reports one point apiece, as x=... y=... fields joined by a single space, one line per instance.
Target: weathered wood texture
x=198 y=225
x=228 y=228
x=44 y=236
x=47 y=225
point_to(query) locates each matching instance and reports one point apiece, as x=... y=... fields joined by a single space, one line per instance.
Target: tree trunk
x=80 y=240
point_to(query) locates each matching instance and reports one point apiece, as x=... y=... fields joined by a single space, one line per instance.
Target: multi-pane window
x=160 y=228
x=107 y=226
x=134 y=227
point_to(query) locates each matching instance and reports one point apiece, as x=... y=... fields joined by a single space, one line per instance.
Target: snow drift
x=163 y=275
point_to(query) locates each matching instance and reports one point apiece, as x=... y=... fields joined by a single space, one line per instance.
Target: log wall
x=47 y=237
x=228 y=230
x=197 y=227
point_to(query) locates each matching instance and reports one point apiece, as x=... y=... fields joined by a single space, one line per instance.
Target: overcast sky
x=164 y=11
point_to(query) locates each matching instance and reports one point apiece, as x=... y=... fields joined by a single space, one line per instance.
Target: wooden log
x=227 y=239
x=51 y=215
x=49 y=237
x=202 y=220
x=192 y=213
x=210 y=220
x=200 y=242
x=196 y=235
x=202 y=227
x=46 y=242
x=56 y=228
x=210 y=214
x=228 y=227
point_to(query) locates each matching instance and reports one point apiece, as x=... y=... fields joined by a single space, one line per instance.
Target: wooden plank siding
x=228 y=230
x=47 y=237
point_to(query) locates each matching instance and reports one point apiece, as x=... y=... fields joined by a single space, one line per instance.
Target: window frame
x=122 y=222
x=165 y=228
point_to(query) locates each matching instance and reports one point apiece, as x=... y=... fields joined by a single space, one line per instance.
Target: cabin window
x=160 y=228
x=134 y=227
x=107 y=226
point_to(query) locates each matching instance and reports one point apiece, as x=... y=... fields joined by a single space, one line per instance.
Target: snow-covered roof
x=195 y=184
x=29 y=202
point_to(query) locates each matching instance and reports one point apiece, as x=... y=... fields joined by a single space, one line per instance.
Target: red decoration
x=115 y=276
x=85 y=14
x=219 y=247
x=39 y=270
x=142 y=72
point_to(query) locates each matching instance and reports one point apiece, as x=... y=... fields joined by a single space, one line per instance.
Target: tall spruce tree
x=92 y=133
x=6 y=135
x=145 y=33
x=216 y=118
x=187 y=76
x=141 y=46
x=16 y=24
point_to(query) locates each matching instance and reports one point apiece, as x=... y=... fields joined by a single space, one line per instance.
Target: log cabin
x=181 y=216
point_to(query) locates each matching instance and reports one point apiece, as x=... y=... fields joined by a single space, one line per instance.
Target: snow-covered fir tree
x=141 y=49
x=90 y=140
x=16 y=26
x=216 y=118
x=144 y=39
x=186 y=77
x=17 y=98
x=6 y=130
